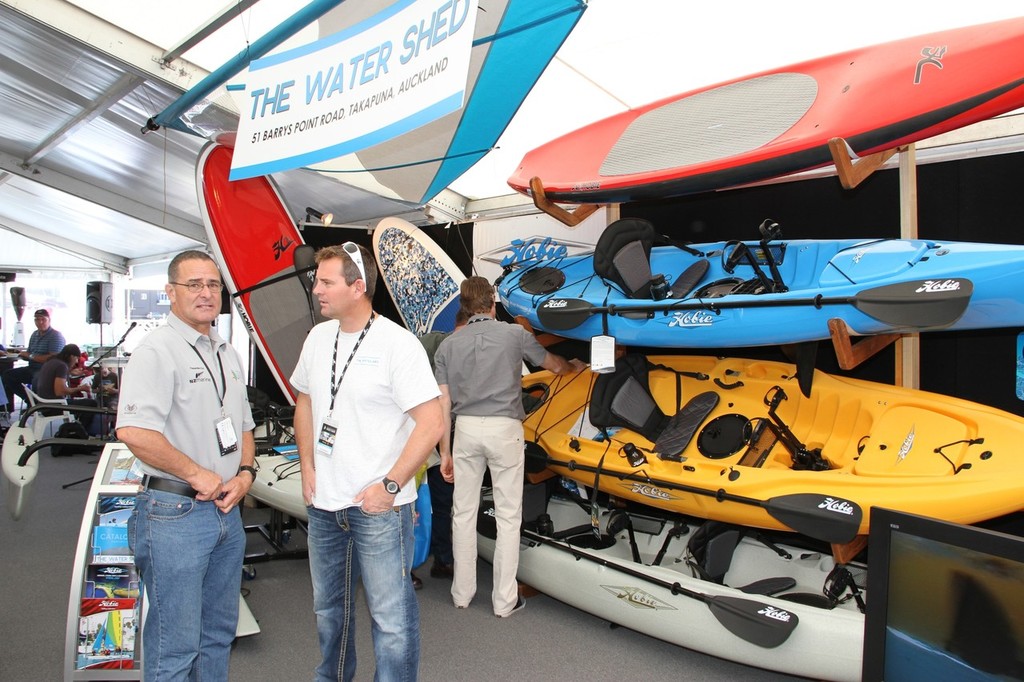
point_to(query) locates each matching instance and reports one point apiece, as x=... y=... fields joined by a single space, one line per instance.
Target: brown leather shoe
x=442 y=570
x=417 y=583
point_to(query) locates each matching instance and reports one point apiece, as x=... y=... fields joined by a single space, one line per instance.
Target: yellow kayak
x=735 y=440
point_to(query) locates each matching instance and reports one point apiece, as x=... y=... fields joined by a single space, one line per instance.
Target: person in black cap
x=45 y=343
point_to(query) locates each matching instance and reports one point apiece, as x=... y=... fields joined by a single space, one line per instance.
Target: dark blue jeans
x=441 y=516
x=345 y=547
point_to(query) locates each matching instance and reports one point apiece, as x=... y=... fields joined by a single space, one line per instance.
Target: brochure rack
x=106 y=604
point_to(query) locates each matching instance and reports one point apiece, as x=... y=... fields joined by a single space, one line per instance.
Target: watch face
x=391 y=486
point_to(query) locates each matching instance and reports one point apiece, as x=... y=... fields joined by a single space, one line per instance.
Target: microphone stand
x=95 y=363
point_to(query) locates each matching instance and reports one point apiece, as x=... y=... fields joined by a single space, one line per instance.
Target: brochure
x=106 y=634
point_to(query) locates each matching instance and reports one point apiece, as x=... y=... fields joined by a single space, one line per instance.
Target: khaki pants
x=494 y=443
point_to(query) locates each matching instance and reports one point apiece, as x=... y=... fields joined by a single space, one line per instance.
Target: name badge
x=328 y=432
x=226 y=439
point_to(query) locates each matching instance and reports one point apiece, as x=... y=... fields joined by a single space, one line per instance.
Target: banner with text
x=383 y=77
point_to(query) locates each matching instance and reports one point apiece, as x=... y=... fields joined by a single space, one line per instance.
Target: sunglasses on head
x=353 y=252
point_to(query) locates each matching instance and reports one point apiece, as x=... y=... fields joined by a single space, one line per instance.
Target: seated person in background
x=44 y=344
x=52 y=383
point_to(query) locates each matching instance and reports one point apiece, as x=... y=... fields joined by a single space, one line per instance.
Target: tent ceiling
x=76 y=87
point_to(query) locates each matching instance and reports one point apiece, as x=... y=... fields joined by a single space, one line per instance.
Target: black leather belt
x=168 y=485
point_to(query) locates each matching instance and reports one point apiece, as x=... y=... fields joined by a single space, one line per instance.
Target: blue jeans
x=344 y=546
x=189 y=555
x=441 y=513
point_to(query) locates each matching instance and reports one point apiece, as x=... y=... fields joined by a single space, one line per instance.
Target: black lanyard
x=223 y=381
x=334 y=360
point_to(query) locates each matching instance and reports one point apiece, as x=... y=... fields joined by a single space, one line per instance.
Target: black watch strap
x=252 y=470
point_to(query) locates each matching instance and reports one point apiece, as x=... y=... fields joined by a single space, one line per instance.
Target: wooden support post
x=851 y=173
x=850 y=354
x=541 y=201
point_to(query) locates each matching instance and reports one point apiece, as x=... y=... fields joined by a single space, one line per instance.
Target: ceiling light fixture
x=325 y=218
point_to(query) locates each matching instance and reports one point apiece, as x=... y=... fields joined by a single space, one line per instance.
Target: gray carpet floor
x=547 y=640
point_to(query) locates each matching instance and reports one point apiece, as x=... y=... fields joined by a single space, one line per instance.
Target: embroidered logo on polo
x=200 y=376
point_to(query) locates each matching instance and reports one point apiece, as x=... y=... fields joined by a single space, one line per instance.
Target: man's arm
x=559 y=365
x=304 y=439
x=447 y=466
x=238 y=486
x=425 y=435
x=153 y=448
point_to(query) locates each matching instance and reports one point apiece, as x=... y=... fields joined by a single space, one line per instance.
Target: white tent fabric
x=78 y=79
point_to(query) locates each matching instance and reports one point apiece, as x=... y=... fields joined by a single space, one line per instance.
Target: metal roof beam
x=114 y=201
x=142 y=57
x=104 y=259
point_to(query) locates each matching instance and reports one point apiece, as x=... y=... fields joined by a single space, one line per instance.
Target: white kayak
x=650 y=585
x=18 y=479
x=279 y=485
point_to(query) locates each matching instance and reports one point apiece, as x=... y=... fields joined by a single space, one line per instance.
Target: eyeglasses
x=195 y=287
x=353 y=252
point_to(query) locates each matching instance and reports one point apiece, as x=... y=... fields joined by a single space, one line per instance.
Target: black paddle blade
x=761 y=624
x=823 y=517
x=564 y=313
x=922 y=303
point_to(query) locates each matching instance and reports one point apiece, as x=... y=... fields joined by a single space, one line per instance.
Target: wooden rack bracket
x=541 y=201
x=851 y=354
x=852 y=173
x=844 y=554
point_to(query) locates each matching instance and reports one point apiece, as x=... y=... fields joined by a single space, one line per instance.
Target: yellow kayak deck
x=886 y=446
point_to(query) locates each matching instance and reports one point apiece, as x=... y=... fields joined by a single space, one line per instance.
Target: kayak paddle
x=921 y=303
x=827 y=518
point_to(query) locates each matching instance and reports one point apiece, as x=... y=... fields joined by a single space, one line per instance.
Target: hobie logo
x=908 y=443
x=776 y=614
x=650 y=491
x=107 y=604
x=638 y=598
x=555 y=303
x=839 y=506
x=693 y=318
x=534 y=249
x=932 y=286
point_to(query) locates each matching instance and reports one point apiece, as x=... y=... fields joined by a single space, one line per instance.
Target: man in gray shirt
x=479 y=372
x=184 y=412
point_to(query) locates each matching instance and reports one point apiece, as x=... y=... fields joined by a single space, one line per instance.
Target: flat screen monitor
x=944 y=601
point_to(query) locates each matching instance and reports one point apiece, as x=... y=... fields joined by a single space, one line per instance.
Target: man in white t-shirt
x=367 y=416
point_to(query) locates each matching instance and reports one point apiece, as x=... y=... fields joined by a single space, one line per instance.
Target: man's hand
x=374 y=499
x=207 y=484
x=447 y=468
x=234 y=491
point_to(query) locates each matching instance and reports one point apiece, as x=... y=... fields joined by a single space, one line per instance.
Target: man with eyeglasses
x=184 y=413
x=366 y=418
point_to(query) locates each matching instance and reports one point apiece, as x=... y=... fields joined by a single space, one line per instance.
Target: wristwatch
x=391 y=487
x=251 y=469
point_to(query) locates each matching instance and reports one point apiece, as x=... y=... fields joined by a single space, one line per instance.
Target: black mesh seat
x=623 y=398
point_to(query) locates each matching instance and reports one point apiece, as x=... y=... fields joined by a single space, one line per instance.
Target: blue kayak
x=645 y=291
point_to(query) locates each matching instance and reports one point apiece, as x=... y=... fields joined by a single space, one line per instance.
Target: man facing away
x=184 y=412
x=479 y=371
x=366 y=417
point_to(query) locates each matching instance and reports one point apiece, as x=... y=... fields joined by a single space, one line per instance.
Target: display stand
x=106 y=606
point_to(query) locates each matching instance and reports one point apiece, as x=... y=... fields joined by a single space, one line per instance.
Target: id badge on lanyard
x=226 y=439
x=328 y=433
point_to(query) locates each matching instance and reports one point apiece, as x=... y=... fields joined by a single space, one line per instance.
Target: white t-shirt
x=388 y=376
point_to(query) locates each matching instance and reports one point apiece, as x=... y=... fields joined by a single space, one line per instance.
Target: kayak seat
x=623 y=398
x=710 y=551
x=623 y=255
x=688 y=280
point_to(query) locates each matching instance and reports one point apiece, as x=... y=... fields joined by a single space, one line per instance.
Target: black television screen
x=945 y=601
